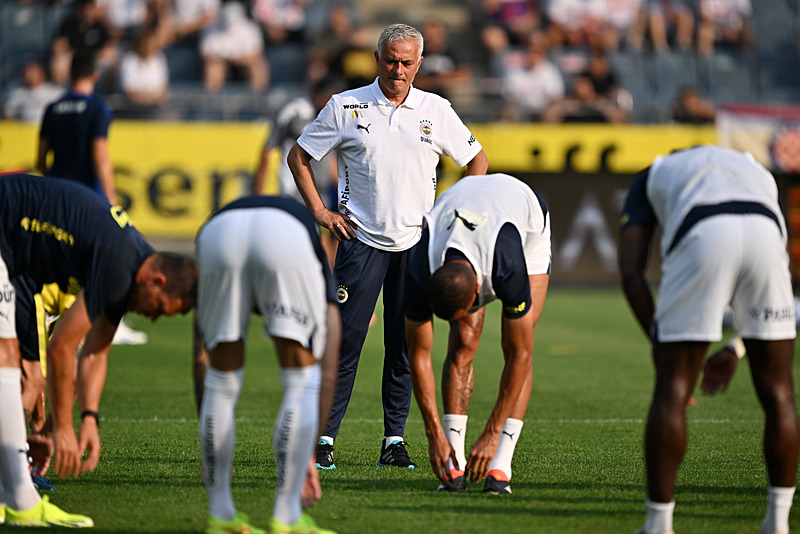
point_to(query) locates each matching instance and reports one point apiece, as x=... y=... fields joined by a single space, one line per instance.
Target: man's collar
x=411 y=101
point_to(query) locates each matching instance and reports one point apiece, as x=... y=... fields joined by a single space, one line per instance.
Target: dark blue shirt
x=637 y=209
x=70 y=125
x=59 y=231
x=509 y=275
x=299 y=212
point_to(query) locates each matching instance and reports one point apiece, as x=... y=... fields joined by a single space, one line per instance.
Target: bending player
x=264 y=254
x=51 y=231
x=723 y=241
x=486 y=238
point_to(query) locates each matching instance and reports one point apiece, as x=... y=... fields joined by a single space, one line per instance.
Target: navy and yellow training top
x=58 y=231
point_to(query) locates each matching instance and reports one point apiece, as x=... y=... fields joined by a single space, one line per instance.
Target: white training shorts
x=8 y=310
x=739 y=260
x=260 y=259
x=538 y=250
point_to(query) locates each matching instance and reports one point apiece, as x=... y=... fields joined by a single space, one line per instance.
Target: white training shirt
x=387 y=158
x=484 y=204
x=694 y=177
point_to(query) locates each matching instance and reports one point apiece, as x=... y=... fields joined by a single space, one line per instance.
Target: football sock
x=20 y=493
x=659 y=516
x=779 y=502
x=218 y=437
x=455 y=428
x=326 y=440
x=293 y=439
x=505 y=447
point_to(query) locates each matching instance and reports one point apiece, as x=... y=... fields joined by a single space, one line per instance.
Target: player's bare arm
x=458 y=377
x=517 y=340
x=41 y=155
x=718 y=371
x=419 y=336
x=105 y=172
x=91 y=378
x=477 y=165
x=516 y=380
x=299 y=162
x=260 y=176
x=633 y=250
x=61 y=349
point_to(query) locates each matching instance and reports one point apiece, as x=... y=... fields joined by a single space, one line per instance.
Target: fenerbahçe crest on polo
x=341 y=294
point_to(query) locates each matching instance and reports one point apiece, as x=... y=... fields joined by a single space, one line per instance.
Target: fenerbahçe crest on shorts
x=341 y=294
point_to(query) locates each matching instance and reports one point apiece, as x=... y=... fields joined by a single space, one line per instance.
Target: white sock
x=659 y=516
x=293 y=440
x=505 y=447
x=20 y=493
x=327 y=440
x=388 y=440
x=455 y=428
x=779 y=502
x=218 y=438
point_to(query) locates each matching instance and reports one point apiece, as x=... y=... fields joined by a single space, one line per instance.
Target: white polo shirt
x=387 y=158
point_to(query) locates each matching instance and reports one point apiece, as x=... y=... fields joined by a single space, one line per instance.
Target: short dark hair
x=451 y=288
x=181 y=274
x=82 y=66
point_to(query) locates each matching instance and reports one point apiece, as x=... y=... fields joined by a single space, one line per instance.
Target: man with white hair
x=389 y=138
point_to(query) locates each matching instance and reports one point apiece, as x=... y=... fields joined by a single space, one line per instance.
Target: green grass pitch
x=578 y=466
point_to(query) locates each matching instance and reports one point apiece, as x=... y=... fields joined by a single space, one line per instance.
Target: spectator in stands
x=233 y=40
x=28 y=101
x=144 y=76
x=574 y=23
x=127 y=18
x=441 y=70
x=723 y=22
x=507 y=23
x=85 y=30
x=603 y=79
x=338 y=35
x=624 y=23
x=690 y=108
x=284 y=21
x=184 y=20
x=670 y=22
x=531 y=89
x=355 y=64
x=583 y=104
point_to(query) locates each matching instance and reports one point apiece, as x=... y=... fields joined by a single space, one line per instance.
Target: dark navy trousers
x=361 y=271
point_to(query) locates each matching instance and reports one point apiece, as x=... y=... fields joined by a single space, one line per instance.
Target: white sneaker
x=125 y=335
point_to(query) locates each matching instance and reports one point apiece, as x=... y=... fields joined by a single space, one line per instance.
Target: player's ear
x=158 y=279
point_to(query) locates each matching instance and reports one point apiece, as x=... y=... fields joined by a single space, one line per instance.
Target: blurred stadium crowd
x=636 y=61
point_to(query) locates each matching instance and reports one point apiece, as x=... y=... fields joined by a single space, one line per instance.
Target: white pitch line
x=606 y=421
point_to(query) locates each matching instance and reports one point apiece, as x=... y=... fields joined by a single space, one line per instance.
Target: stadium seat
x=22 y=37
x=22 y=26
x=674 y=71
x=728 y=77
x=635 y=73
x=287 y=63
x=184 y=62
